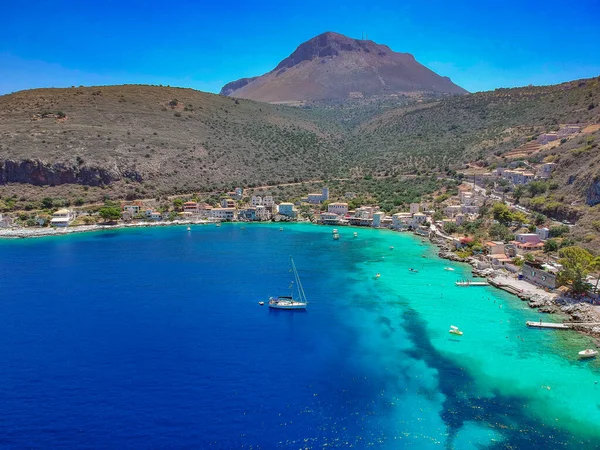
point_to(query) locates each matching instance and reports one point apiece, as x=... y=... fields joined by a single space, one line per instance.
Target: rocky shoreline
x=575 y=312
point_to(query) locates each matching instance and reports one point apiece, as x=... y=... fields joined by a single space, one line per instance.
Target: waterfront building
x=338 y=208
x=414 y=208
x=535 y=273
x=62 y=218
x=378 y=219
x=227 y=214
x=401 y=221
x=329 y=218
x=263 y=213
x=286 y=209
x=190 y=207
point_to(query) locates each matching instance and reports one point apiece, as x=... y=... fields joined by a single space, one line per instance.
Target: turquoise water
x=154 y=337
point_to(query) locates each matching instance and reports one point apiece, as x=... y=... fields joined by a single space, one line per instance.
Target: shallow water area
x=135 y=336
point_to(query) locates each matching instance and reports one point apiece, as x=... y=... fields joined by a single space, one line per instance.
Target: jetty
x=540 y=324
x=472 y=283
x=506 y=287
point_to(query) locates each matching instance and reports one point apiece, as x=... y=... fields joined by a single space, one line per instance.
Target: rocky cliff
x=40 y=173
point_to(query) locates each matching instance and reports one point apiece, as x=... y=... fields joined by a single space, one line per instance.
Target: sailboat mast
x=301 y=293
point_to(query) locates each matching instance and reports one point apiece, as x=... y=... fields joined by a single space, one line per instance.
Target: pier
x=540 y=324
x=472 y=283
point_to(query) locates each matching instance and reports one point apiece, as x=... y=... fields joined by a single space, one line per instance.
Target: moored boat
x=336 y=236
x=455 y=330
x=449 y=268
x=588 y=353
x=288 y=301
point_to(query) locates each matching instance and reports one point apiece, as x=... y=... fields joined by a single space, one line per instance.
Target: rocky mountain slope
x=134 y=141
x=334 y=67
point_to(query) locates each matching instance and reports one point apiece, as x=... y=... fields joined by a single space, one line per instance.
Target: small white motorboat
x=449 y=268
x=280 y=228
x=588 y=353
x=455 y=330
x=377 y=275
x=334 y=231
x=261 y=303
x=355 y=234
x=336 y=236
x=391 y=247
x=189 y=229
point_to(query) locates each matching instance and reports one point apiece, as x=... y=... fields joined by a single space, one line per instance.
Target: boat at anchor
x=288 y=301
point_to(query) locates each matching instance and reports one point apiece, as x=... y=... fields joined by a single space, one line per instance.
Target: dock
x=472 y=283
x=506 y=287
x=555 y=326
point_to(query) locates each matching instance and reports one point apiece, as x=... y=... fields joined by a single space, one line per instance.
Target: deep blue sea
x=154 y=338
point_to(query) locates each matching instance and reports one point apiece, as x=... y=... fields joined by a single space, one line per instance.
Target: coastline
x=576 y=312
x=23 y=233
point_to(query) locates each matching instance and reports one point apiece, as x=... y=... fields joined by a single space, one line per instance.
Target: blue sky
x=204 y=45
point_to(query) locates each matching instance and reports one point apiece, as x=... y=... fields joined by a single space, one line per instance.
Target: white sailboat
x=288 y=302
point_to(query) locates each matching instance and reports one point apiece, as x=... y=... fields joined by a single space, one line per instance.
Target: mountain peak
x=332 y=66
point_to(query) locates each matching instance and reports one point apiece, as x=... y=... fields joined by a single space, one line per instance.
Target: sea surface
x=154 y=338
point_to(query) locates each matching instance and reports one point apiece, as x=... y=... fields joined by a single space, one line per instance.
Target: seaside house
x=527 y=242
x=191 y=207
x=227 y=203
x=414 y=208
x=248 y=213
x=341 y=209
x=401 y=221
x=378 y=219
x=226 y=214
x=132 y=208
x=329 y=218
x=286 y=209
x=494 y=247
x=61 y=218
x=418 y=219
x=536 y=273
x=263 y=213
x=155 y=215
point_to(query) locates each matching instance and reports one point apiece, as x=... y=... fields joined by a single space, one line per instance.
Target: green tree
x=519 y=218
x=551 y=245
x=539 y=219
x=502 y=214
x=518 y=193
x=577 y=264
x=110 y=213
x=178 y=203
x=559 y=230
x=450 y=227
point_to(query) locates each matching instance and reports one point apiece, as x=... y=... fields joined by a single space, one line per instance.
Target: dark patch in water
x=503 y=413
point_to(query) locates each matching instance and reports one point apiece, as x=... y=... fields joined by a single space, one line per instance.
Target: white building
x=263 y=213
x=223 y=213
x=227 y=203
x=61 y=218
x=341 y=209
